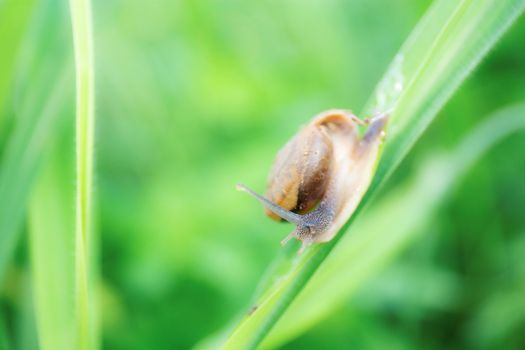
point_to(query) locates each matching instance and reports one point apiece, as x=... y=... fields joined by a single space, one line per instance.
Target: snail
x=321 y=174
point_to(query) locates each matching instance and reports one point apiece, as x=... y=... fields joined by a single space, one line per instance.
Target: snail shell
x=320 y=175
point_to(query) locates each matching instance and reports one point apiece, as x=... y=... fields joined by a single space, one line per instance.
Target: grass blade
x=22 y=159
x=469 y=33
x=85 y=120
x=425 y=73
x=51 y=241
x=42 y=98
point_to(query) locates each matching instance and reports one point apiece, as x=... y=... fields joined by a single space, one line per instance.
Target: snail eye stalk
x=283 y=213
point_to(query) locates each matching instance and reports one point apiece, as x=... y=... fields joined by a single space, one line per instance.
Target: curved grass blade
x=412 y=94
x=470 y=32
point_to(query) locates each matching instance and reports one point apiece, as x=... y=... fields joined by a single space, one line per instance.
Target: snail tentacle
x=283 y=213
x=308 y=225
x=306 y=243
x=288 y=238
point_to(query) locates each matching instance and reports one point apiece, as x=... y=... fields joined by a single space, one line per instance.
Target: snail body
x=320 y=175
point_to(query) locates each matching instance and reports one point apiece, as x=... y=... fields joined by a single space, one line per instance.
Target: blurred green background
x=195 y=96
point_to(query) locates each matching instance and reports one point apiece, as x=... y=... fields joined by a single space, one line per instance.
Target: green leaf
x=447 y=44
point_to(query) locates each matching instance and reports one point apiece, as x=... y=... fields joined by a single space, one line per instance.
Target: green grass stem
x=85 y=123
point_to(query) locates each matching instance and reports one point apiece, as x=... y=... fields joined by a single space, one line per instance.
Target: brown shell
x=301 y=171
